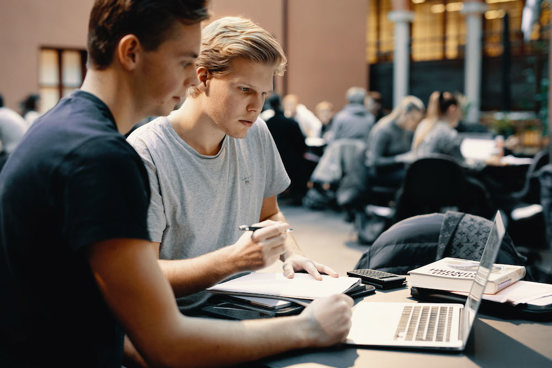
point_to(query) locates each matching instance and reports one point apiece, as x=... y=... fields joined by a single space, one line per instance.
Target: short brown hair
x=149 y=20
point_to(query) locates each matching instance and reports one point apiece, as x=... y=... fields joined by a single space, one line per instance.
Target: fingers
x=297 y=263
x=288 y=270
x=332 y=316
x=327 y=270
x=271 y=239
x=312 y=270
x=272 y=230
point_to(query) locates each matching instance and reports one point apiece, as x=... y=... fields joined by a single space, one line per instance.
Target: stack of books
x=449 y=280
x=455 y=274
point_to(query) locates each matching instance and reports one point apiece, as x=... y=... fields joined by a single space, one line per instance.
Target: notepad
x=301 y=286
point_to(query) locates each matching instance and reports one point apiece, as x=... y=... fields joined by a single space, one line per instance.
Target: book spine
x=500 y=283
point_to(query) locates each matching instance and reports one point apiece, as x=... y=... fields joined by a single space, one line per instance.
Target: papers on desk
x=315 y=141
x=513 y=160
x=302 y=286
x=478 y=149
x=522 y=292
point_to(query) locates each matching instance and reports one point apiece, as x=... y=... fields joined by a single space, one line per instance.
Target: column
x=401 y=53
x=472 y=67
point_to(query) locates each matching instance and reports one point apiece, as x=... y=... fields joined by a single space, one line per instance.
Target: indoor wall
x=325 y=41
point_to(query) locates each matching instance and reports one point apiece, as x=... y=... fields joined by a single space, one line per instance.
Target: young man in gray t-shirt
x=213 y=166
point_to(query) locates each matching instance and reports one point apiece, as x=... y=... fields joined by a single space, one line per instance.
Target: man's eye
x=244 y=89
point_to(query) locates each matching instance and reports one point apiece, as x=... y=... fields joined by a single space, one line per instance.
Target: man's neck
x=112 y=89
x=196 y=128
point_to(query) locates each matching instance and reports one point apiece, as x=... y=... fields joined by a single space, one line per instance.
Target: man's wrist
x=231 y=263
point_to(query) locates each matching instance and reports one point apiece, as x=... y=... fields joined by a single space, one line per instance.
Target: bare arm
x=133 y=285
x=188 y=276
x=293 y=258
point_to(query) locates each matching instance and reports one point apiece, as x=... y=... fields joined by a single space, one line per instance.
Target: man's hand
x=329 y=320
x=297 y=262
x=260 y=248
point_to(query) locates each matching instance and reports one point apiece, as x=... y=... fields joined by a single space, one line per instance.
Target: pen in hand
x=253 y=228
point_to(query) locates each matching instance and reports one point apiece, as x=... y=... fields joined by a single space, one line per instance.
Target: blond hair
x=407 y=104
x=437 y=106
x=230 y=38
x=432 y=116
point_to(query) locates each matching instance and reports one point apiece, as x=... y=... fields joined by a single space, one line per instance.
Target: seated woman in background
x=390 y=143
x=436 y=133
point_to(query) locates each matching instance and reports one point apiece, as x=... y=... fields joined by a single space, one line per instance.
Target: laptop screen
x=482 y=276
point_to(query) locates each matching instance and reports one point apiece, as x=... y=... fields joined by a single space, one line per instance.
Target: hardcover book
x=455 y=274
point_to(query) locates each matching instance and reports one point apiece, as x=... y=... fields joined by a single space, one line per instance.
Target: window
x=439 y=29
x=61 y=72
x=380 y=35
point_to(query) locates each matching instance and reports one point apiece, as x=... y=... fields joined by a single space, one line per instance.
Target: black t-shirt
x=72 y=181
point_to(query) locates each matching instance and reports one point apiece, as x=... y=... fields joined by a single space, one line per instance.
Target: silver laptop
x=434 y=326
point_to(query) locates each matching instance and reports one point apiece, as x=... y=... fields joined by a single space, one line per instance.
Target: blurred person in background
x=290 y=142
x=12 y=129
x=374 y=104
x=436 y=133
x=324 y=111
x=308 y=122
x=390 y=142
x=354 y=121
x=30 y=108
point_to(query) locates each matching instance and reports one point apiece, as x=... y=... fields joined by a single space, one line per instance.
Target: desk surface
x=493 y=342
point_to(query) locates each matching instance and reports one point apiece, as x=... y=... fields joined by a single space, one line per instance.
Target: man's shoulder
x=149 y=132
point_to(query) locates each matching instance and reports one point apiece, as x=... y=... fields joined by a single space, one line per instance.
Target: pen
x=253 y=228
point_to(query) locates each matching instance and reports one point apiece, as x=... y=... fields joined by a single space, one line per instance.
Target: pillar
x=401 y=53
x=473 y=58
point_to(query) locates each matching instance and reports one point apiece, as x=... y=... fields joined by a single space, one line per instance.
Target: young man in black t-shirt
x=76 y=264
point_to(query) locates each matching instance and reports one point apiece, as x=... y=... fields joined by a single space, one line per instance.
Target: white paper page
x=522 y=292
x=302 y=285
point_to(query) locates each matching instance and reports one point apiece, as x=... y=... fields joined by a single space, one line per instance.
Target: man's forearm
x=189 y=276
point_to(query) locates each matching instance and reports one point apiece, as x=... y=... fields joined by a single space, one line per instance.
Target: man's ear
x=128 y=51
x=203 y=75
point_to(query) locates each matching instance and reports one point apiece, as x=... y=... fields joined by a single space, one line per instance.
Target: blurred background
x=495 y=52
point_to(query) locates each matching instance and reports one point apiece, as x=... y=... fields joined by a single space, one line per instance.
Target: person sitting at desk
x=213 y=166
x=354 y=121
x=436 y=133
x=77 y=269
x=325 y=113
x=290 y=142
x=308 y=122
x=390 y=141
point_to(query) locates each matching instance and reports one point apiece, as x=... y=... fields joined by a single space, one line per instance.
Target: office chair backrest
x=437 y=183
x=530 y=193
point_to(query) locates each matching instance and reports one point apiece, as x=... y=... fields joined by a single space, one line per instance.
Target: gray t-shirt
x=443 y=139
x=198 y=201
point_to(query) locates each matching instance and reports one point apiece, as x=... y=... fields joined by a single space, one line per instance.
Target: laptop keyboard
x=424 y=323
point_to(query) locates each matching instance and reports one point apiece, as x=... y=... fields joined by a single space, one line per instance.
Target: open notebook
x=277 y=286
x=426 y=325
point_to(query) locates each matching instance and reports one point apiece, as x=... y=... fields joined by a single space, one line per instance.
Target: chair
x=530 y=193
x=336 y=165
x=526 y=220
x=437 y=183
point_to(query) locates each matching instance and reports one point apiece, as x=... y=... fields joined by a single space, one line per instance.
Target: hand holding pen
x=261 y=244
x=264 y=225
